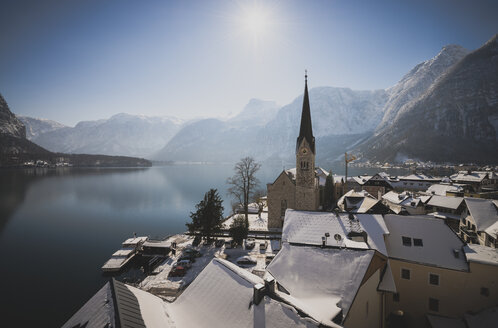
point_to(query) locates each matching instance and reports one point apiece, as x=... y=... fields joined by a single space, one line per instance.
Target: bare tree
x=244 y=182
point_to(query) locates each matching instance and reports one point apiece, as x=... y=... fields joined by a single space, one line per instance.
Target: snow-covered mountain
x=455 y=119
x=418 y=80
x=9 y=124
x=122 y=134
x=335 y=112
x=256 y=113
x=37 y=126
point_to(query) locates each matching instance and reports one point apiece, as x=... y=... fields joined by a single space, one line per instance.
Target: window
x=396 y=297
x=417 y=242
x=405 y=274
x=433 y=304
x=407 y=241
x=434 y=279
x=283 y=207
x=485 y=291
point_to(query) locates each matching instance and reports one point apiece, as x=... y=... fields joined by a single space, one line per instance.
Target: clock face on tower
x=304 y=151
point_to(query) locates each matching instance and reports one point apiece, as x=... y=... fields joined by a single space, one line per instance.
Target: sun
x=255 y=21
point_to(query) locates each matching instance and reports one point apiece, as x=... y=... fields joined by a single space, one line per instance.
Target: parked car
x=263 y=245
x=246 y=260
x=184 y=263
x=178 y=271
x=219 y=243
x=188 y=257
x=250 y=242
x=192 y=252
x=197 y=241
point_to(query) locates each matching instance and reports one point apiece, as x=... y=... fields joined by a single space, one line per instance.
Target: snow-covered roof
x=441 y=189
x=445 y=201
x=440 y=244
x=157 y=243
x=357 y=202
x=419 y=177
x=132 y=304
x=325 y=279
x=304 y=227
x=134 y=241
x=387 y=283
x=484 y=213
x=402 y=199
x=221 y=296
x=485 y=318
x=436 y=321
x=481 y=254
x=425 y=199
x=124 y=252
x=301 y=227
x=98 y=311
x=474 y=176
x=375 y=227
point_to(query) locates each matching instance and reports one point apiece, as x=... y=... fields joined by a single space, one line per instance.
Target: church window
x=283 y=207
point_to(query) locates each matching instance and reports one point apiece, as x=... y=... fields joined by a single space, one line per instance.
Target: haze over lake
x=59 y=226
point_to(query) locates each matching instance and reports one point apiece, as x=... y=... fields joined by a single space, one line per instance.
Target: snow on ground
x=257 y=222
x=169 y=288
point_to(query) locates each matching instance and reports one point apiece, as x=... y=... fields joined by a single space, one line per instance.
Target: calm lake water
x=59 y=226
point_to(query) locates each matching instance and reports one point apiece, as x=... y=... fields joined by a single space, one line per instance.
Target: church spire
x=306 y=132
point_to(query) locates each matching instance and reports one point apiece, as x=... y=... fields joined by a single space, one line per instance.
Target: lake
x=59 y=226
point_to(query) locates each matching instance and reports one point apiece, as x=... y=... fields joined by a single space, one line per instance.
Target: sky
x=70 y=60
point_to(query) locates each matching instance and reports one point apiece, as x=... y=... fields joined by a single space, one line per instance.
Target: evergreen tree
x=328 y=193
x=207 y=218
x=239 y=229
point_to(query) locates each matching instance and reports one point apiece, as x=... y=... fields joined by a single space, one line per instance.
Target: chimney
x=270 y=284
x=456 y=253
x=259 y=293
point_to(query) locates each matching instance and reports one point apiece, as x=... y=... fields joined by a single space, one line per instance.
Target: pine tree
x=207 y=218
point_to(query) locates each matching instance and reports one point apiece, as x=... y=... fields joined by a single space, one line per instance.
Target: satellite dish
x=337 y=237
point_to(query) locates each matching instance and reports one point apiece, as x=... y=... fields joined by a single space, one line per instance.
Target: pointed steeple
x=306 y=132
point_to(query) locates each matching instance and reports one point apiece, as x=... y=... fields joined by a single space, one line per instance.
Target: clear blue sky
x=84 y=60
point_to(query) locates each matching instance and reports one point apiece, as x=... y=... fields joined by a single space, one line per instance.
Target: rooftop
x=484 y=213
x=439 y=246
x=323 y=296
x=481 y=254
x=445 y=202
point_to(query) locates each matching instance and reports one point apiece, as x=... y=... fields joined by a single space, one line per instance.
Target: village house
x=404 y=203
x=334 y=266
x=435 y=273
x=448 y=208
x=414 y=182
x=478 y=180
x=446 y=189
x=361 y=202
x=479 y=224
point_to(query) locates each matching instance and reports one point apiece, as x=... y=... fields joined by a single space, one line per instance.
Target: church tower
x=306 y=182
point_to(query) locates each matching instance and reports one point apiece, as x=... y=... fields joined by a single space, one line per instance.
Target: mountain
x=37 y=126
x=418 y=80
x=122 y=134
x=454 y=120
x=10 y=125
x=347 y=114
x=255 y=113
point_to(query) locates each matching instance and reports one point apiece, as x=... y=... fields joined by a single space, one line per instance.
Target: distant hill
x=15 y=149
x=122 y=134
x=454 y=120
x=37 y=126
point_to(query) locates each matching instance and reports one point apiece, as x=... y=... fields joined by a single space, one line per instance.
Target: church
x=297 y=188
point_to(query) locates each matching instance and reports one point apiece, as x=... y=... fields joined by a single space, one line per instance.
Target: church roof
x=306 y=131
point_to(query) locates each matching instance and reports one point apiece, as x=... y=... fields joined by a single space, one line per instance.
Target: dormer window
x=407 y=241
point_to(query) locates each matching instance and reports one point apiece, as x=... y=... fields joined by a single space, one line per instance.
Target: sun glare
x=255 y=21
